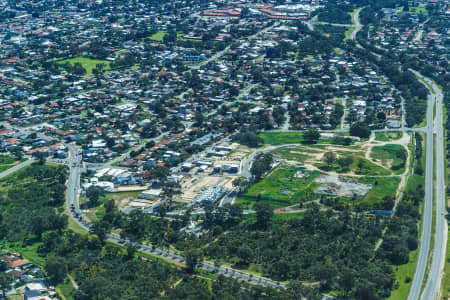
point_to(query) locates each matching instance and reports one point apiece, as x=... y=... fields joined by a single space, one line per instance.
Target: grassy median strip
x=433 y=223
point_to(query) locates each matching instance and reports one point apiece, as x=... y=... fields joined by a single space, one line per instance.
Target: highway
x=419 y=275
x=432 y=286
x=434 y=127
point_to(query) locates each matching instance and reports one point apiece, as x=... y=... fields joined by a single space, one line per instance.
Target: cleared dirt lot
x=197 y=186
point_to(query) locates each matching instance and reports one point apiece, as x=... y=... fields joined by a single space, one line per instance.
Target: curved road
x=75 y=213
x=358 y=25
x=433 y=284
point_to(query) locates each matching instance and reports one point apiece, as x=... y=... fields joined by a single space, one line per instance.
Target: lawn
x=291 y=153
x=388 y=136
x=88 y=63
x=28 y=252
x=282 y=138
x=381 y=187
x=418 y=9
x=367 y=167
x=159 y=36
x=392 y=156
x=280 y=188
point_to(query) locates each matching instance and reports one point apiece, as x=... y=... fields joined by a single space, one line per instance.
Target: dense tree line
x=30 y=208
x=334 y=249
x=335 y=13
x=31 y=212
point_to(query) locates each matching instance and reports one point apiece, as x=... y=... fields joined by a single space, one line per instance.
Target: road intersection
x=76 y=214
x=434 y=128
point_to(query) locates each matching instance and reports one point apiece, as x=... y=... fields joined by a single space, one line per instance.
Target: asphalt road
x=75 y=213
x=416 y=286
x=16 y=167
x=433 y=126
x=221 y=53
x=432 y=286
x=358 y=25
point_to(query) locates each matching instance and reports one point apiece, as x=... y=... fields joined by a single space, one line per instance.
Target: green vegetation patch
x=284 y=138
x=7 y=161
x=446 y=276
x=418 y=9
x=251 y=218
x=283 y=187
x=358 y=165
x=388 y=136
x=392 y=156
x=65 y=289
x=381 y=187
x=281 y=138
x=87 y=63
x=159 y=36
x=348 y=33
x=291 y=153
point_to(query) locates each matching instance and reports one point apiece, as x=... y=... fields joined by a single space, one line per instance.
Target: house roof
x=18 y=263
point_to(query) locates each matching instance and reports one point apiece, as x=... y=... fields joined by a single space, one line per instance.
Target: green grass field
x=159 y=36
x=418 y=9
x=291 y=153
x=280 y=189
x=282 y=138
x=381 y=187
x=415 y=9
x=388 y=136
x=88 y=63
x=392 y=154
